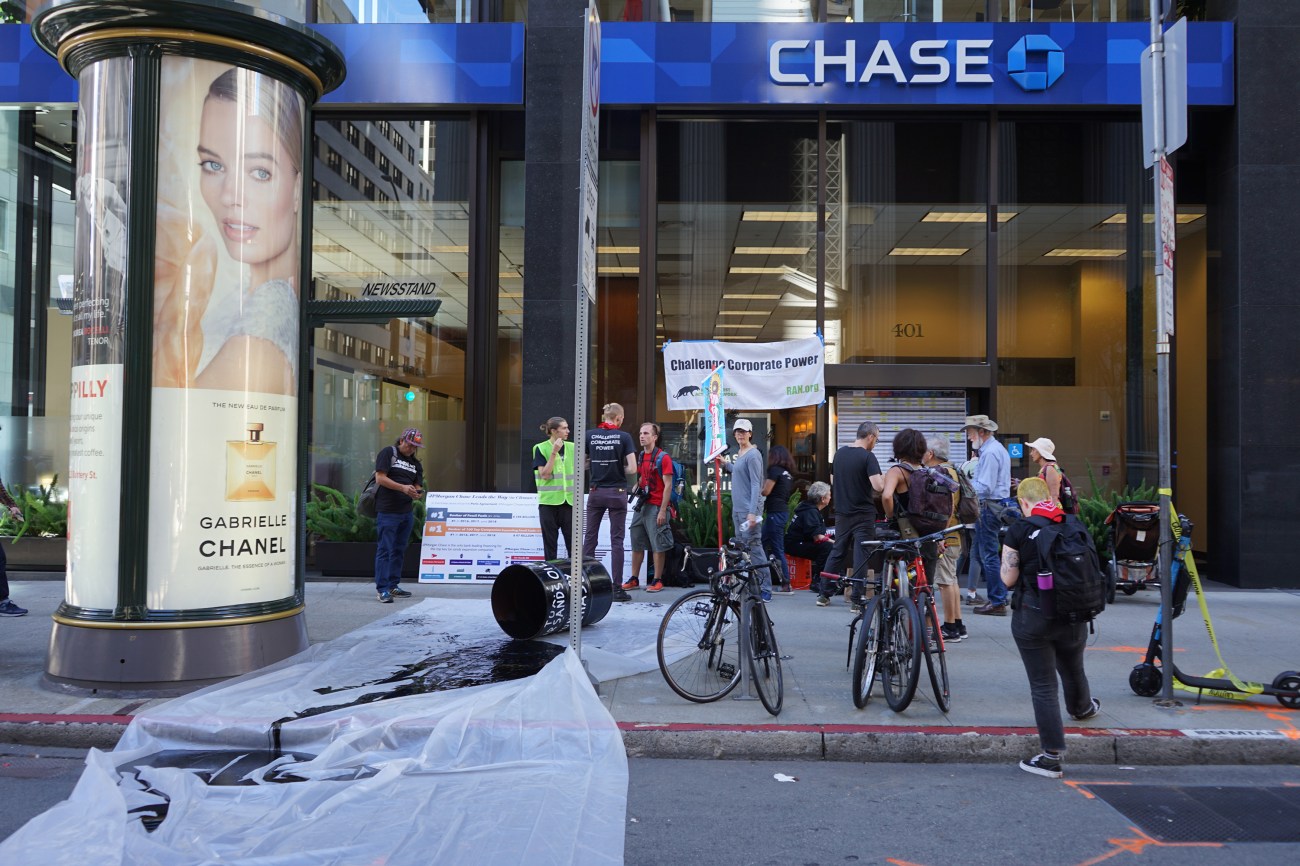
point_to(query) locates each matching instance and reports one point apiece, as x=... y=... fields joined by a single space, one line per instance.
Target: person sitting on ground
x=807 y=536
x=1047 y=646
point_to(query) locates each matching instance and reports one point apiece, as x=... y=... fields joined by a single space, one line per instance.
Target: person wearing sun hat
x=400 y=476
x=1043 y=452
x=992 y=483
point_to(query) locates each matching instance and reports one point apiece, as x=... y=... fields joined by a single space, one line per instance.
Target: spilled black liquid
x=474 y=665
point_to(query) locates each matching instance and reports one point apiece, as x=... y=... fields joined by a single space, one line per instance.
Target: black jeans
x=556 y=519
x=813 y=551
x=850 y=531
x=1050 y=647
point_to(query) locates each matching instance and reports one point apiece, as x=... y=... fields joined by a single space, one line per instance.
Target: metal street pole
x=1164 y=331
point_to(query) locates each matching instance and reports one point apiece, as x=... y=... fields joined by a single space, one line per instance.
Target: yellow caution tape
x=1222 y=672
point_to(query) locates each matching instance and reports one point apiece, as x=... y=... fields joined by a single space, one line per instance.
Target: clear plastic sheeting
x=267 y=769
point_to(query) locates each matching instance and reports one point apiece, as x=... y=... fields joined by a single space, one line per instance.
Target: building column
x=553 y=46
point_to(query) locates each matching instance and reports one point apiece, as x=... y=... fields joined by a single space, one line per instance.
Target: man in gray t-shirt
x=746 y=501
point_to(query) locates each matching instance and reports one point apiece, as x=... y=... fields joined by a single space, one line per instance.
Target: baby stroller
x=1135 y=543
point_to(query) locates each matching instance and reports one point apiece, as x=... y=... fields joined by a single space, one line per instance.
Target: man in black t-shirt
x=400 y=476
x=856 y=478
x=611 y=458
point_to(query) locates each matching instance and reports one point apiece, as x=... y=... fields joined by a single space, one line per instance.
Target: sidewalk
x=990 y=719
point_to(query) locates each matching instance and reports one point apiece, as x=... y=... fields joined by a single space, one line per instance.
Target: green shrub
x=697 y=516
x=333 y=516
x=41 y=517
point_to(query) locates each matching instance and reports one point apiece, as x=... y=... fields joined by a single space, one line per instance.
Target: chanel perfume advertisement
x=226 y=318
x=98 y=315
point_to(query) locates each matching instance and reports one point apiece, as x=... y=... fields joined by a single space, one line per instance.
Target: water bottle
x=1044 y=592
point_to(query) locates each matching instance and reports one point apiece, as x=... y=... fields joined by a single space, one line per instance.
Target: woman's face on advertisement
x=249 y=182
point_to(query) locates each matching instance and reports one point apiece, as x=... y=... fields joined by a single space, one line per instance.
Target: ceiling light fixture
x=939 y=216
x=1067 y=253
x=771 y=251
x=747 y=270
x=1121 y=219
x=740 y=325
x=929 y=251
x=755 y=297
x=744 y=313
x=779 y=216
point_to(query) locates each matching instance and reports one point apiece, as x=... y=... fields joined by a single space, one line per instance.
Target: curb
x=72 y=731
x=855 y=743
x=937 y=745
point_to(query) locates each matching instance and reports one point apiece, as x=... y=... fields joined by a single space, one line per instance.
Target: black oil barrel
x=532 y=599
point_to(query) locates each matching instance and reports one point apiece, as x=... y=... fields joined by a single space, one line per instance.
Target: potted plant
x=345 y=539
x=40 y=541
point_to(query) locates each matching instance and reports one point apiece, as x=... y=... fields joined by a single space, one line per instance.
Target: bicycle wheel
x=764 y=658
x=901 y=665
x=936 y=659
x=699 y=647
x=866 y=652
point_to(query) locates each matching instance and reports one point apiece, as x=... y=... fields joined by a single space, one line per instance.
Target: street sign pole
x=588 y=169
x=1164 y=241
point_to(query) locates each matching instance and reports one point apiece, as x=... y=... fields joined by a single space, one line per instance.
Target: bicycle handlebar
x=912 y=542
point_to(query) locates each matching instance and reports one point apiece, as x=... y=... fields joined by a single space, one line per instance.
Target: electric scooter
x=1146 y=678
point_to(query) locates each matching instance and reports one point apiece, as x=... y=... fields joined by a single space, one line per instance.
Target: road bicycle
x=898 y=626
x=699 y=645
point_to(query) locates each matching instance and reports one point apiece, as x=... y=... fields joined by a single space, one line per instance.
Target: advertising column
x=184 y=524
x=225 y=346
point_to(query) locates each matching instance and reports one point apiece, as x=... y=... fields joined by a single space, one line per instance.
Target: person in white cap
x=747 y=501
x=992 y=483
x=1043 y=452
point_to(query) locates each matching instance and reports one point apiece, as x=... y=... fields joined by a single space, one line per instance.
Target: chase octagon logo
x=1018 y=62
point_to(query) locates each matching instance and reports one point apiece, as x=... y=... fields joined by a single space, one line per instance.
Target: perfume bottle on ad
x=250 y=468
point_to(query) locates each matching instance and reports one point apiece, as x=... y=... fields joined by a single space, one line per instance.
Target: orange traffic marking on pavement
x=900 y=862
x=1288 y=727
x=1082 y=787
x=1140 y=843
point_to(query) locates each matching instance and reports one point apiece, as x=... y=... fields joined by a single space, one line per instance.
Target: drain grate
x=1196 y=813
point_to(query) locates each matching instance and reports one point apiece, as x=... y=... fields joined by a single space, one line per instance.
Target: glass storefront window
x=36 y=205
x=508 y=442
x=906 y=229
x=394 y=226
x=1075 y=303
x=737 y=240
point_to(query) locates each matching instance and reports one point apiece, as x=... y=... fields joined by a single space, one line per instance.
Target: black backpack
x=1069 y=498
x=1066 y=550
x=929 y=498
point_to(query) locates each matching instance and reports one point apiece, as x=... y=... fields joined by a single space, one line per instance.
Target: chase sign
x=961 y=64
x=1018 y=62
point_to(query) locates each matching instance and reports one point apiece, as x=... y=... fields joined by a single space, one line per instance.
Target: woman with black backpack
x=1049 y=646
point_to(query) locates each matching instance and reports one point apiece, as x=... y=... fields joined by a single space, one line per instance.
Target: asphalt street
x=817 y=813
